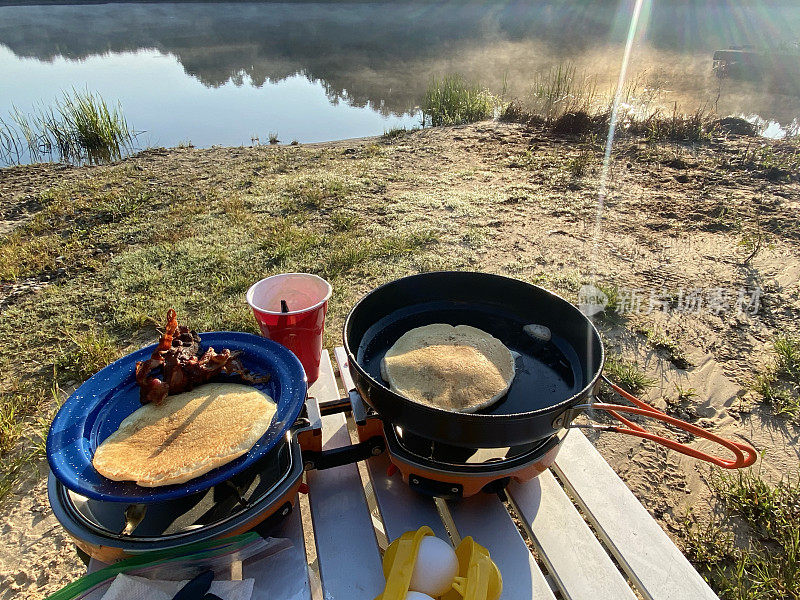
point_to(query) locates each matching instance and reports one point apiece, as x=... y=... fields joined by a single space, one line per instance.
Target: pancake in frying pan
x=457 y=368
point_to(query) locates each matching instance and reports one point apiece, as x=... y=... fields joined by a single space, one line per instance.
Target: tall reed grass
x=79 y=127
x=560 y=91
x=452 y=101
x=569 y=102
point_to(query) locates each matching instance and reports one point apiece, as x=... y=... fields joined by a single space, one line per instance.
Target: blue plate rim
x=297 y=390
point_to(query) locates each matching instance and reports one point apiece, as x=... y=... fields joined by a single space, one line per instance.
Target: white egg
x=417 y=596
x=436 y=567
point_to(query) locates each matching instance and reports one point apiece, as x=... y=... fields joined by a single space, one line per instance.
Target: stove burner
x=439 y=454
x=444 y=458
x=452 y=472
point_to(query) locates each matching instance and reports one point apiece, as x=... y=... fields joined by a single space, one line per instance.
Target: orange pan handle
x=744 y=453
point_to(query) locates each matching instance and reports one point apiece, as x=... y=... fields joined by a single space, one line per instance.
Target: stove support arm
x=345 y=455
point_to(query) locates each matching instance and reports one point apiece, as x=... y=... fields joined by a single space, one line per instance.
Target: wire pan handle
x=744 y=453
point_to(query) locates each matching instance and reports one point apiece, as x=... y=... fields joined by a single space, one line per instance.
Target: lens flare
x=612 y=126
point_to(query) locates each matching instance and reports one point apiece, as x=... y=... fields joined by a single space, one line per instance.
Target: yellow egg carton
x=478 y=577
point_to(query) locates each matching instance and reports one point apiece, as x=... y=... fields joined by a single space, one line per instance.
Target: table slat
x=324 y=389
x=344 y=368
x=577 y=562
x=485 y=518
x=652 y=561
x=402 y=508
x=347 y=551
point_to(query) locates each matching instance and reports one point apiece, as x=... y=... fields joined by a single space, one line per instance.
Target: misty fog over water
x=224 y=73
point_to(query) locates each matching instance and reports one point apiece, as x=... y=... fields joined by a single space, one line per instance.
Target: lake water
x=227 y=73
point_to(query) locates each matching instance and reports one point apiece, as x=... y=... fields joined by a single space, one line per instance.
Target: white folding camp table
x=592 y=539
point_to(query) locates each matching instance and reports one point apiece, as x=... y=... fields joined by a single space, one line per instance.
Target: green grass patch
x=18 y=405
x=528 y=160
x=613 y=301
x=14 y=408
x=372 y=150
x=777 y=162
x=315 y=193
x=349 y=253
x=535 y=160
x=118 y=246
x=684 y=393
x=578 y=166
x=397 y=132
x=612 y=297
x=71 y=231
x=787 y=364
x=779 y=385
x=21 y=255
x=25 y=414
x=781 y=397
x=474 y=237
x=11 y=470
x=453 y=100
x=769 y=570
x=85 y=353
x=344 y=221
x=659 y=339
x=627 y=374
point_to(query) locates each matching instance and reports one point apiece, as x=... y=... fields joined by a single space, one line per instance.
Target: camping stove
x=255 y=499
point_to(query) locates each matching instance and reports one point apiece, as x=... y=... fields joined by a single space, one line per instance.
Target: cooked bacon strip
x=181 y=368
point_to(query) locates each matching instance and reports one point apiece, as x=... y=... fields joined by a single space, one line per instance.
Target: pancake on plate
x=188 y=435
x=457 y=368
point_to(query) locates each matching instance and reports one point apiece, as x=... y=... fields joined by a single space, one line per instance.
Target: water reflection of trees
x=383 y=54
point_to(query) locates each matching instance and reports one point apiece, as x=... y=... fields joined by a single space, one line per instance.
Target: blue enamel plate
x=97 y=408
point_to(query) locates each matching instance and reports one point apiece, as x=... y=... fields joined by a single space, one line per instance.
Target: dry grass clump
x=561 y=91
x=569 y=103
x=677 y=126
x=515 y=112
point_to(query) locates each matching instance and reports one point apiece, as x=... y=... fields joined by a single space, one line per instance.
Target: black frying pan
x=555 y=380
x=551 y=376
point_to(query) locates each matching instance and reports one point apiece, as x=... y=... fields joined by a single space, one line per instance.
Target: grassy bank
x=117 y=251
x=96 y=255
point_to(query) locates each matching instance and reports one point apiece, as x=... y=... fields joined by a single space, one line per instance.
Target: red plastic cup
x=300 y=329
